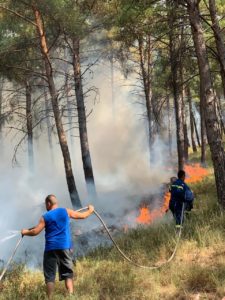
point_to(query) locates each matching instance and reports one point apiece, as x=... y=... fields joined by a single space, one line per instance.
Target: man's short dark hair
x=51 y=199
x=181 y=174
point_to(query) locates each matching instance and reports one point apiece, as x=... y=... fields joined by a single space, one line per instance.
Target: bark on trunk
x=145 y=68
x=203 y=127
x=179 y=126
x=48 y=123
x=174 y=63
x=183 y=95
x=184 y=120
x=223 y=79
x=219 y=39
x=219 y=104
x=29 y=126
x=58 y=121
x=186 y=140
x=194 y=147
x=169 y=126
x=212 y=123
x=85 y=150
x=196 y=131
x=69 y=112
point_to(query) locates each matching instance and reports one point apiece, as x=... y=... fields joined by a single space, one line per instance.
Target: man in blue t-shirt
x=181 y=198
x=57 y=242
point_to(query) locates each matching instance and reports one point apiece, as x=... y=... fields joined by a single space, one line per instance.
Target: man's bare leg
x=50 y=289
x=69 y=285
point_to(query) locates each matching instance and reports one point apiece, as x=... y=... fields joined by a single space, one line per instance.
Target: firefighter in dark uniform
x=181 y=198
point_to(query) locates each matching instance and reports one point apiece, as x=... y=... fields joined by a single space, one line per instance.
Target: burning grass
x=197 y=272
x=194 y=174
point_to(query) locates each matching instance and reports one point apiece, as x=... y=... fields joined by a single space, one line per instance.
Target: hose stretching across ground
x=133 y=262
x=115 y=244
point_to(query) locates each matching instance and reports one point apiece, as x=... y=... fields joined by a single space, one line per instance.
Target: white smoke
x=123 y=174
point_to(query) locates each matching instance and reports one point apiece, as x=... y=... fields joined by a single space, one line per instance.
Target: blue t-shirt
x=57 y=229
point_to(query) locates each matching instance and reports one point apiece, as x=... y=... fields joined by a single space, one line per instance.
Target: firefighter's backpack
x=189 y=195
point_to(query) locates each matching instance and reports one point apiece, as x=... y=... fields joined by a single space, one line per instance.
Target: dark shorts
x=60 y=258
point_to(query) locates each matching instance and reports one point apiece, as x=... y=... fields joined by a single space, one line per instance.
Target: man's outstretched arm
x=80 y=215
x=36 y=230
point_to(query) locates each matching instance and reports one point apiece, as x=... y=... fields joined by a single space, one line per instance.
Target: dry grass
x=197 y=272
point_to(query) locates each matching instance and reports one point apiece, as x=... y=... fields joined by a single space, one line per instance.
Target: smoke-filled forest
x=101 y=103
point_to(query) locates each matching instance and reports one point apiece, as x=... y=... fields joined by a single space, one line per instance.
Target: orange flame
x=145 y=216
x=195 y=173
x=166 y=202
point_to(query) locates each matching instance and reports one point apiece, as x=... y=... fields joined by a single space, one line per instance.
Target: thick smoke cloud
x=120 y=159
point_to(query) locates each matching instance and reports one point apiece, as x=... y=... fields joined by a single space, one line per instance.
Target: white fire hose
x=133 y=262
x=115 y=244
x=11 y=257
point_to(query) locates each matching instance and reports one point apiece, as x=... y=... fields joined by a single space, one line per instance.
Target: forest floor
x=197 y=271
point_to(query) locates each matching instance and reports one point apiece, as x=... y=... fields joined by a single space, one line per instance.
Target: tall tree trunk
x=58 y=121
x=196 y=131
x=147 y=86
x=169 y=125
x=48 y=123
x=29 y=120
x=223 y=79
x=186 y=140
x=191 y=119
x=179 y=126
x=85 y=150
x=219 y=39
x=68 y=102
x=211 y=120
x=183 y=93
x=183 y=108
x=203 y=125
x=70 y=117
x=220 y=115
x=174 y=62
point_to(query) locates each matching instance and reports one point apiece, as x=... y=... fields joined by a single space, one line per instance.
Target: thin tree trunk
x=85 y=149
x=29 y=126
x=146 y=79
x=68 y=102
x=219 y=39
x=196 y=131
x=150 y=92
x=180 y=127
x=183 y=108
x=219 y=104
x=70 y=117
x=174 y=60
x=186 y=140
x=169 y=126
x=183 y=93
x=211 y=120
x=203 y=127
x=48 y=123
x=194 y=147
x=58 y=121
